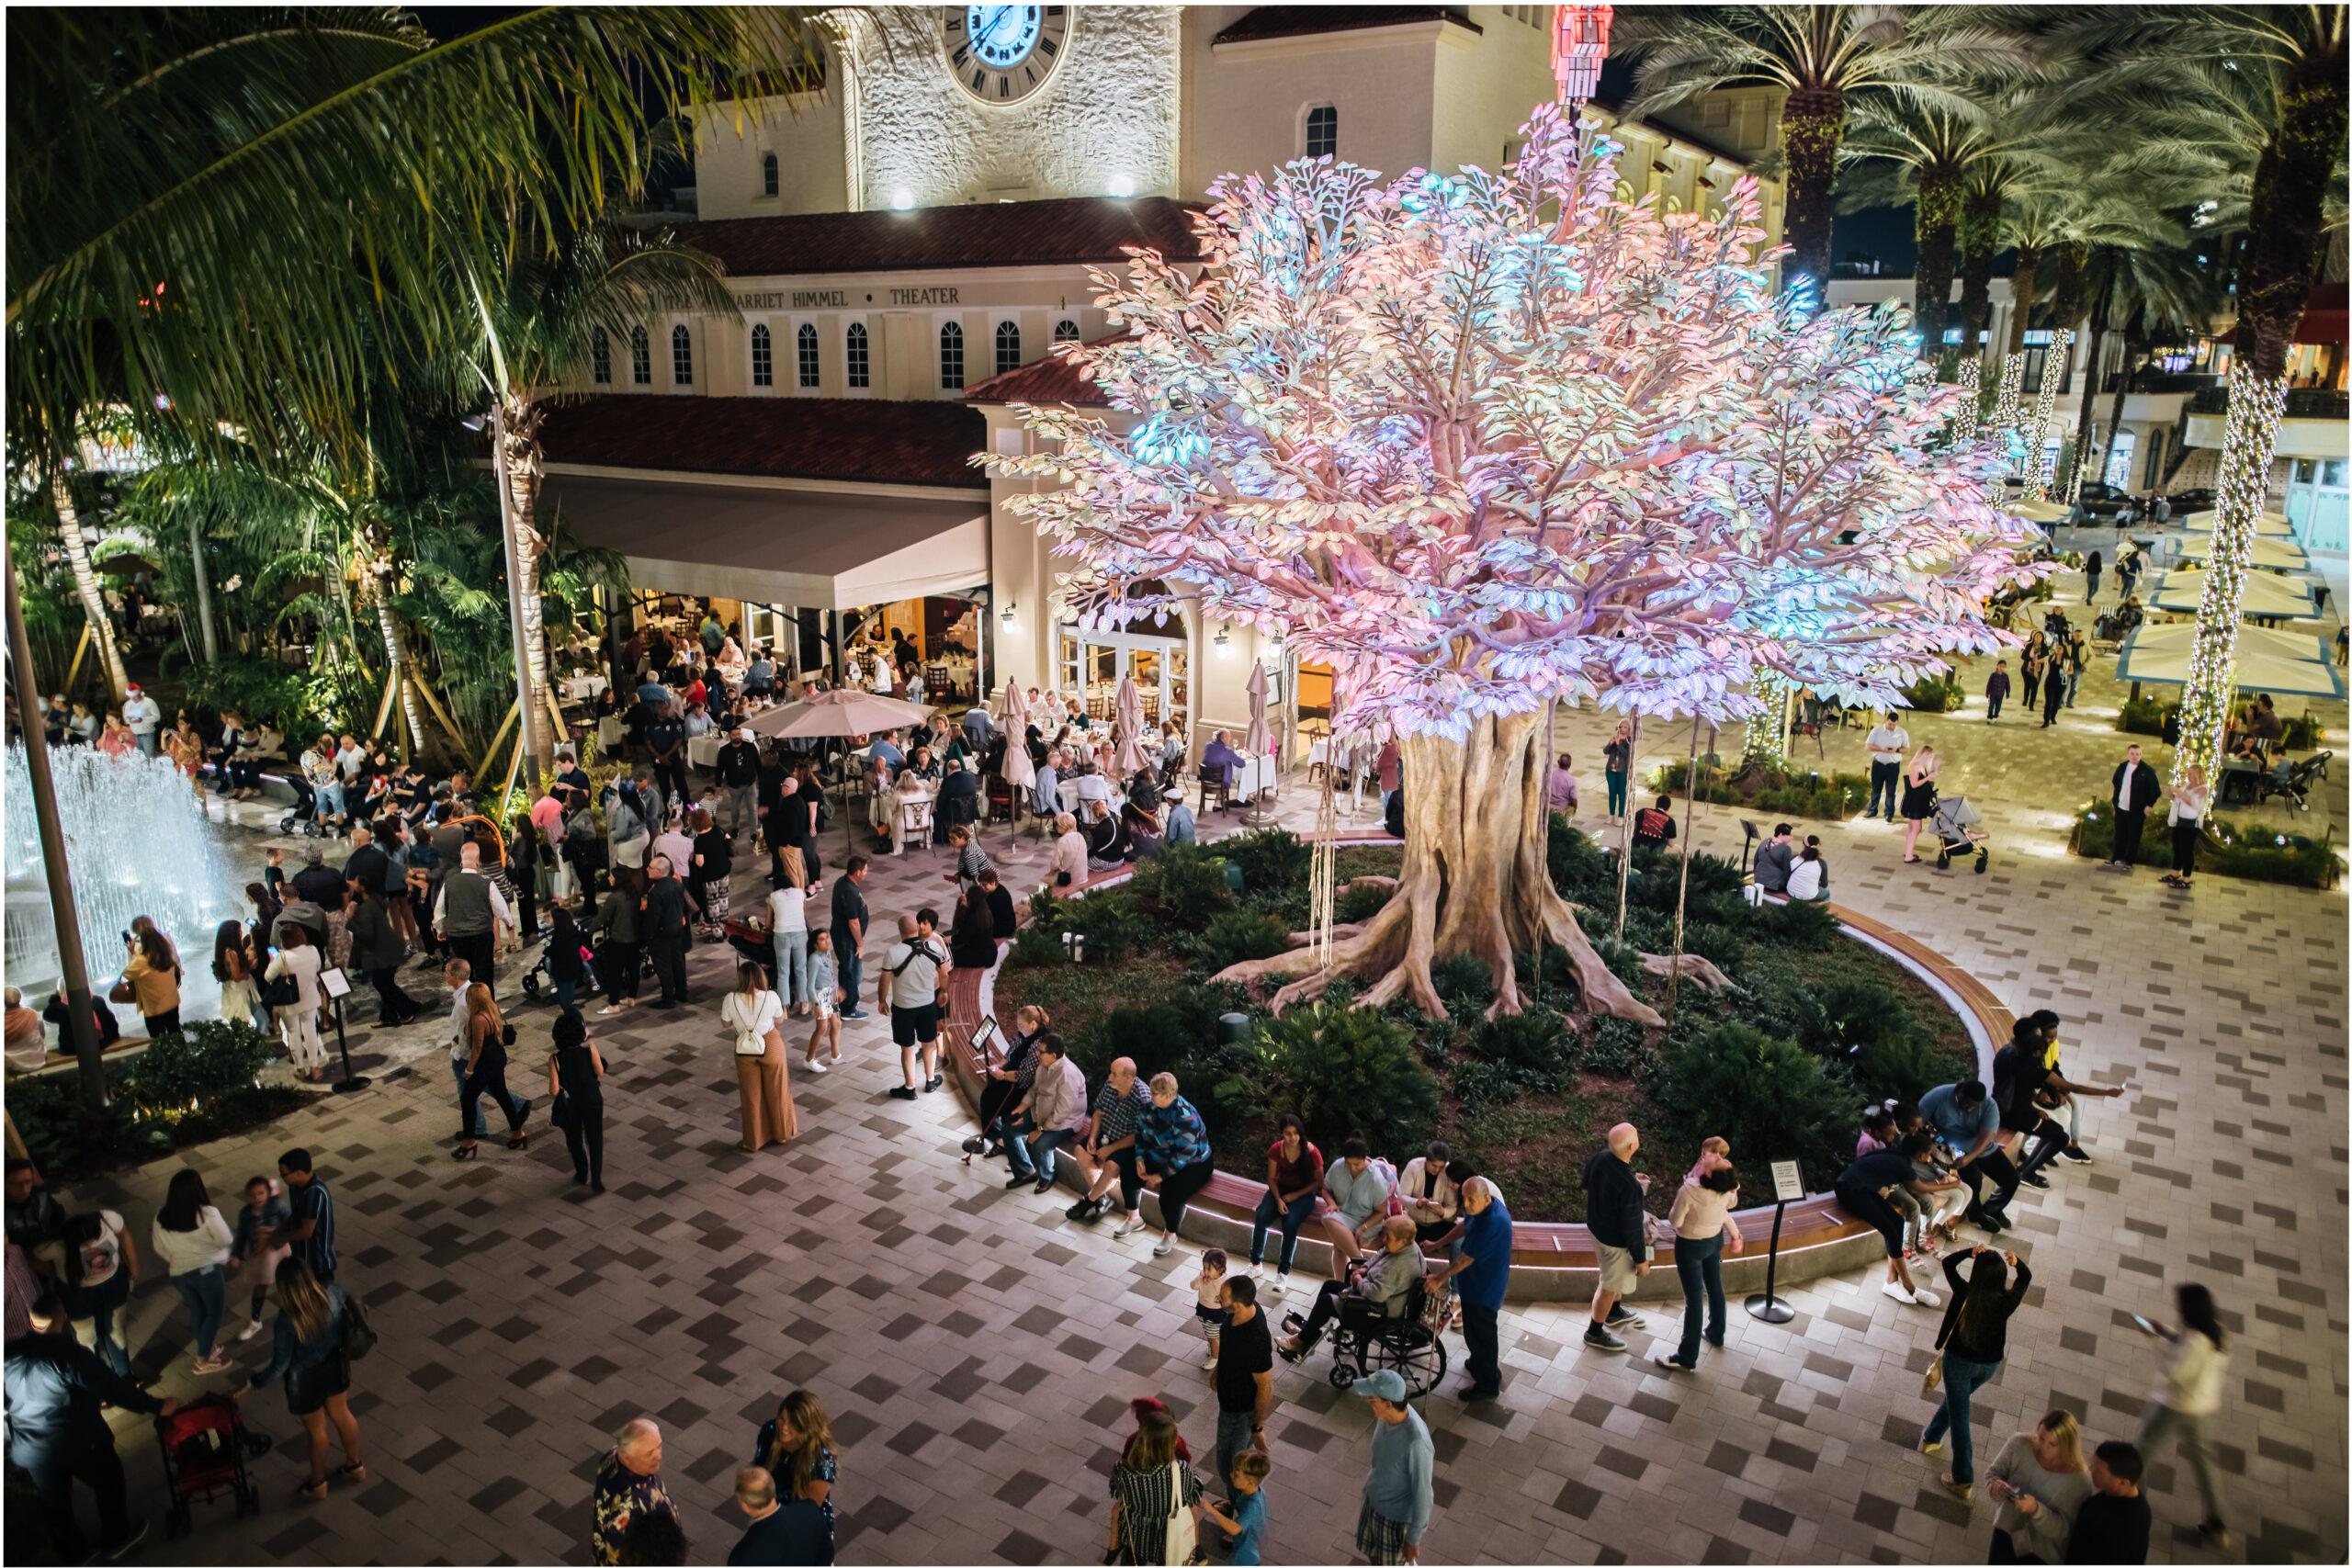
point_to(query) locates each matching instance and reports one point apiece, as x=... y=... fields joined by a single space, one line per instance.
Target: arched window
x=1322 y=132
x=856 y=356
x=762 y=362
x=951 y=357
x=641 y=358
x=806 y=337
x=600 y=357
x=1008 y=346
x=1065 y=331
x=682 y=357
x=768 y=182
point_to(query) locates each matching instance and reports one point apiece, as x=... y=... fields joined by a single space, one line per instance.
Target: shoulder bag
x=1183 y=1540
x=359 y=1335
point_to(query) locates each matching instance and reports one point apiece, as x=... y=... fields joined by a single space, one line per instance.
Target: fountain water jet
x=136 y=843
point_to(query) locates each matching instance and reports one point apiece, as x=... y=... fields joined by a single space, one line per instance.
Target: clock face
x=1001 y=54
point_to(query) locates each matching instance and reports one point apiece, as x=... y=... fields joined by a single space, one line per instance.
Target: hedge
x=1832 y=796
x=2229 y=848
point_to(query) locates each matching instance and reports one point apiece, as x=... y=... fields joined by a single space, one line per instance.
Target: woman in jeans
x=101 y=1264
x=1704 y=1227
x=2039 y=1479
x=193 y=1241
x=1973 y=1341
x=1172 y=1148
x=1618 y=764
x=2189 y=800
x=1294 y=1177
x=308 y=1353
x=2187 y=1395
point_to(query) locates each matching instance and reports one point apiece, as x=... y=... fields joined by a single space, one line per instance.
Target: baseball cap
x=1386 y=1383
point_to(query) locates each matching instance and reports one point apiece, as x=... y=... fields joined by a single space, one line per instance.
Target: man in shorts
x=907 y=992
x=1620 y=1233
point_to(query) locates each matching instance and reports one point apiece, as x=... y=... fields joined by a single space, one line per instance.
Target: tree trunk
x=1938 y=211
x=379 y=576
x=2071 y=480
x=523 y=465
x=86 y=585
x=2021 y=292
x=2115 y=410
x=1475 y=879
x=1813 y=126
x=2066 y=306
x=2045 y=404
x=1980 y=237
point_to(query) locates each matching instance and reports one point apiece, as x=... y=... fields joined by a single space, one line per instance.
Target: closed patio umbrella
x=1019 y=771
x=1127 y=725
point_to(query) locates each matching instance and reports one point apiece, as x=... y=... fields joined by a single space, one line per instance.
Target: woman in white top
x=2187 y=1395
x=1067 y=872
x=752 y=1011
x=2040 y=1481
x=1804 y=877
x=193 y=1241
x=1704 y=1227
x=788 y=932
x=908 y=794
x=298 y=1025
x=2190 y=799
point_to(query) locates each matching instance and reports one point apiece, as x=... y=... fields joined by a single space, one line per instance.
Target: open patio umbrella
x=2249 y=671
x=2262 y=595
x=2274 y=524
x=2268 y=555
x=842 y=714
x=2179 y=636
x=2039 y=510
x=1126 y=728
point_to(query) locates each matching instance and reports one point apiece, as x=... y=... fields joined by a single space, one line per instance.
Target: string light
x=2005 y=402
x=2045 y=401
x=2249 y=440
x=1964 y=419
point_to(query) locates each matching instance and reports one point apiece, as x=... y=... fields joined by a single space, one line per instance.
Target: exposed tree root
x=1695 y=969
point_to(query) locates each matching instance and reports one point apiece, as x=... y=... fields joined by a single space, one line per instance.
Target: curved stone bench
x=1556 y=1261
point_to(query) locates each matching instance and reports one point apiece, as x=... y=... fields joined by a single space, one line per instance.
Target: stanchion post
x=1787 y=1184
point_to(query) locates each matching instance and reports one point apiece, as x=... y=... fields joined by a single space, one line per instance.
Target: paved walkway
x=976 y=1351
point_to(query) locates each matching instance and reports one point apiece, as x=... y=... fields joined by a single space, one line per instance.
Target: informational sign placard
x=334 y=983
x=1788 y=1187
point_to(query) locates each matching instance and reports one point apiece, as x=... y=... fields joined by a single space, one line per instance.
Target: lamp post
x=1579 y=43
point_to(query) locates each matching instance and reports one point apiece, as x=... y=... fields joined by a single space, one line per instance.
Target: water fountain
x=136 y=843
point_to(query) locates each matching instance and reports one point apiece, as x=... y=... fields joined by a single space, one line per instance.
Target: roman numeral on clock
x=1050 y=47
x=1004 y=86
x=979 y=80
x=962 y=54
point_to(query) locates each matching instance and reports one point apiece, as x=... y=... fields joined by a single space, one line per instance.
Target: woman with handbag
x=617 y=930
x=291 y=990
x=576 y=1097
x=487 y=1036
x=754 y=1013
x=312 y=1351
x=1972 y=1344
x=1155 y=1498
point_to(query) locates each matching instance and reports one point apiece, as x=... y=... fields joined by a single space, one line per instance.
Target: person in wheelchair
x=1376 y=1286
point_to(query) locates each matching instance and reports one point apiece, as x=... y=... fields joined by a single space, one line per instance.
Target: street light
x=1579 y=43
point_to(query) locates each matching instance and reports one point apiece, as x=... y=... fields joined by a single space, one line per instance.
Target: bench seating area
x=1549 y=1261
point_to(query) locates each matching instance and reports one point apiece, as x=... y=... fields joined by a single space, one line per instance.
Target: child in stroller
x=1957 y=833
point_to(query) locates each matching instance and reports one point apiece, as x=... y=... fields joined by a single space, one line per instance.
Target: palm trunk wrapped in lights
x=2249 y=440
x=2005 y=402
x=1765 y=744
x=1964 y=416
x=2037 y=469
x=85 y=586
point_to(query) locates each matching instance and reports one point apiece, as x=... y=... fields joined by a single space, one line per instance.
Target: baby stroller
x=540 y=976
x=1955 y=824
x=304 y=817
x=751 y=943
x=205 y=1446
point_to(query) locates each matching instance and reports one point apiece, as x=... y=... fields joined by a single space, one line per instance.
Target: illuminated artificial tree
x=1482 y=443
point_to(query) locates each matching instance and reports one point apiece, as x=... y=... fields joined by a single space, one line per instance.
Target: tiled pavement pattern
x=976 y=1351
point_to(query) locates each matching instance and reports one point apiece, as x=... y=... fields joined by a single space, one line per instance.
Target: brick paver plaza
x=976 y=1349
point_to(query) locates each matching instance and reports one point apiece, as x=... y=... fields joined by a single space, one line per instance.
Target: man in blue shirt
x=1482 y=1270
x=309 y=1230
x=1399 y=1492
x=58 y=1432
x=1967 y=1120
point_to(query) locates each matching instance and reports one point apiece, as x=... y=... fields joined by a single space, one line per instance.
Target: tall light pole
x=1579 y=43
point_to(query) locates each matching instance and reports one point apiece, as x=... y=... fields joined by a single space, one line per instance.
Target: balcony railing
x=2303 y=402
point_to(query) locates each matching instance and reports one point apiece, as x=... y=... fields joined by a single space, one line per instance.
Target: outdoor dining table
x=2241 y=780
x=702 y=751
x=581 y=688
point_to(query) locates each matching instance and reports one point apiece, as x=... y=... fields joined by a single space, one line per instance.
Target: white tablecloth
x=702 y=751
x=581 y=688
x=608 y=734
x=1255 y=774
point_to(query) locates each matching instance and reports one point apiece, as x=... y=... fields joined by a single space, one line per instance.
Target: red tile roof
x=997 y=233
x=1049 y=379
x=1299 y=21
x=816 y=438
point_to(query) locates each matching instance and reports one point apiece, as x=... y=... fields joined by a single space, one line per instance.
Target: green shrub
x=1463 y=980
x=1832 y=796
x=1269 y=857
x=1614 y=1048
x=1580 y=870
x=1935 y=694
x=1857 y=1009
x=1534 y=1041
x=1808 y=927
x=185 y=1089
x=1358 y=905
x=1034 y=947
x=1719 y=942
x=1109 y=922
x=1157 y=1037
x=1343 y=1070
x=1485 y=1083
x=197 y=1065
x=2144 y=715
x=1898 y=1065
x=2251 y=850
x=1239 y=935
x=1769 y=1096
x=1187 y=882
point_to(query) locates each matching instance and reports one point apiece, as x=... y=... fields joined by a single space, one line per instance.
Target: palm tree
x=1920 y=159
x=1832 y=61
x=2258 y=88
x=535 y=331
x=2137 y=293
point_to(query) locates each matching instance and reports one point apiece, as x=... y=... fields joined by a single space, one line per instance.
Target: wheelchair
x=1363 y=1342
x=304 y=817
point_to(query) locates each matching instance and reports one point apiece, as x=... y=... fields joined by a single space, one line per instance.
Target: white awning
x=827 y=549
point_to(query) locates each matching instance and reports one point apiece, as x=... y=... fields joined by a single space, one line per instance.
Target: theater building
x=908 y=239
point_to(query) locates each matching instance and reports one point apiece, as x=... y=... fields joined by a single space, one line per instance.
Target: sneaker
x=935 y=1080
x=1209 y=1365
x=1621 y=1318
x=1127 y=1228
x=2036 y=1181
x=1896 y=1292
x=1279 y=1283
x=249 y=1331
x=1596 y=1338
x=208 y=1365
x=902 y=1092
x=1927 y=1298
x=607 y=1012
x=859 y=1013
x=1079 y=1210
x=1163 y=1246
x=815 y=1068
x=1665 y=1362
x=2073 y=1152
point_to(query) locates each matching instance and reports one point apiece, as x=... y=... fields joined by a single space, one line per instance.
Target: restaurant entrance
x=1091 y=664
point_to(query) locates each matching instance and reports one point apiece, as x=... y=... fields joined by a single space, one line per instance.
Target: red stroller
x=205 y=1446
